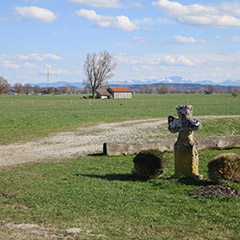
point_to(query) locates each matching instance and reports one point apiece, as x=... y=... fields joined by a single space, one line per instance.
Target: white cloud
x=141 y=40
x=135 y=4
x=143 y=20
x=100 y=3
x=162 y=20
x=231 y=8
x=61 y=72
x=232 y=38
x=48 y=66
x=187 y=40
x=51 y=56
x=12 y=65
x=146 y=23
x=217 y=72
x=124 y=58
x=235 y=38
x=169 y=60
x=225 y=15
x=214 y=66
x=29 y=65
x=118 y=22
x=36 y=13
x=39 y=57
x=9 y=64
x=149 y=60
x=150 y=29
x=22 y=57
x=147 y=67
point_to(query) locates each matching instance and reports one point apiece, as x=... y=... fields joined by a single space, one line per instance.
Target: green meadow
x=98 y=193
x=28 y=117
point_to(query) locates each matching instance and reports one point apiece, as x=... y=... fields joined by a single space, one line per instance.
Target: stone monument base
x=186 y=157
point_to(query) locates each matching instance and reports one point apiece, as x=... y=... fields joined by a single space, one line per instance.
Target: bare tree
x=27 y=88
x=18 y=87
x=36 y=89
x=162 y=89
x=98 y=69
x=4 y=86
x=69 y=89
x=200 y=90
x=146 y=89
x=211 y=89
x=230 y=89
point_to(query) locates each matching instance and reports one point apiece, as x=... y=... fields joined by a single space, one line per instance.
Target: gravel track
x=84 y=141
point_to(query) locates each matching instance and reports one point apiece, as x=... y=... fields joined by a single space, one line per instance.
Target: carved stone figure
x=185 y=149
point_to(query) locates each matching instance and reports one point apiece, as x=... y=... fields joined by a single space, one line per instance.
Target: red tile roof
x=120 y=89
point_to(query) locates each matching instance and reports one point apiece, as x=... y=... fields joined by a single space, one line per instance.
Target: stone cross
x=185 y=148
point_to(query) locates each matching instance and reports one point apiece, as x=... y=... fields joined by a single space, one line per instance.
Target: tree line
x=28 y=89
x=163 y=89
x=99 y=68
x=144 y=89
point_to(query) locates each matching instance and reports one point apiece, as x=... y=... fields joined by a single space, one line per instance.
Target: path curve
x=83 y=141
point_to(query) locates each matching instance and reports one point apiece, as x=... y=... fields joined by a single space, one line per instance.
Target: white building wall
x=11 y=93
x=122 y=95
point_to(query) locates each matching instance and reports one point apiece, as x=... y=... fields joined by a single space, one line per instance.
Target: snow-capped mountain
x=167 y=80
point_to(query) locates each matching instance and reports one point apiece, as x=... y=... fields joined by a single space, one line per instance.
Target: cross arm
x=174 y=124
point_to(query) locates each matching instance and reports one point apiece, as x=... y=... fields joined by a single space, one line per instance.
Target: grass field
x=28 y=117
x=100 y=194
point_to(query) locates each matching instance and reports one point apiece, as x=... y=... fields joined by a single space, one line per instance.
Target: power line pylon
x=48 y=74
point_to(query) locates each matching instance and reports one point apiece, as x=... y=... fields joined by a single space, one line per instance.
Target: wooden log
x=167 y=144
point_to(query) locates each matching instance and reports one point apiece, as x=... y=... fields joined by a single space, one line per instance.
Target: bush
x=149 y=164
x=235 y=92
x=224 y=168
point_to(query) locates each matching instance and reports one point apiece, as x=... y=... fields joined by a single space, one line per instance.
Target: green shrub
x=235 y=92
x=224 y=168
x=149 y=164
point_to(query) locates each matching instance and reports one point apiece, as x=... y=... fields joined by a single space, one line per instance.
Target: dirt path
x=83 y=141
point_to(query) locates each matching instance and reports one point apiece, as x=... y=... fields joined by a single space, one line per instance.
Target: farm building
x=104 y=94
x=120 y=92
x=12 y=91
x=114 y=92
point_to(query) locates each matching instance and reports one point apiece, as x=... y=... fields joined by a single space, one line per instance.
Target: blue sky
x=149 y=39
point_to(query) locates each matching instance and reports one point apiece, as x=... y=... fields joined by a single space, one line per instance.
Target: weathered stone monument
x=185 y=148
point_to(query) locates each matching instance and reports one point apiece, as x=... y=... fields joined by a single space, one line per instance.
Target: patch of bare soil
x=80 y=142
x=216 y=191
x=35 y=232
x=84 y=141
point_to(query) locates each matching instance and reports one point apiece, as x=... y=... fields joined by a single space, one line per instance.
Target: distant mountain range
x=180 y=80
x=59 y=84
x=168 y=80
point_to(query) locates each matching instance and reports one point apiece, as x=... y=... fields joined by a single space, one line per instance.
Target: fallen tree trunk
x=167 y=144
